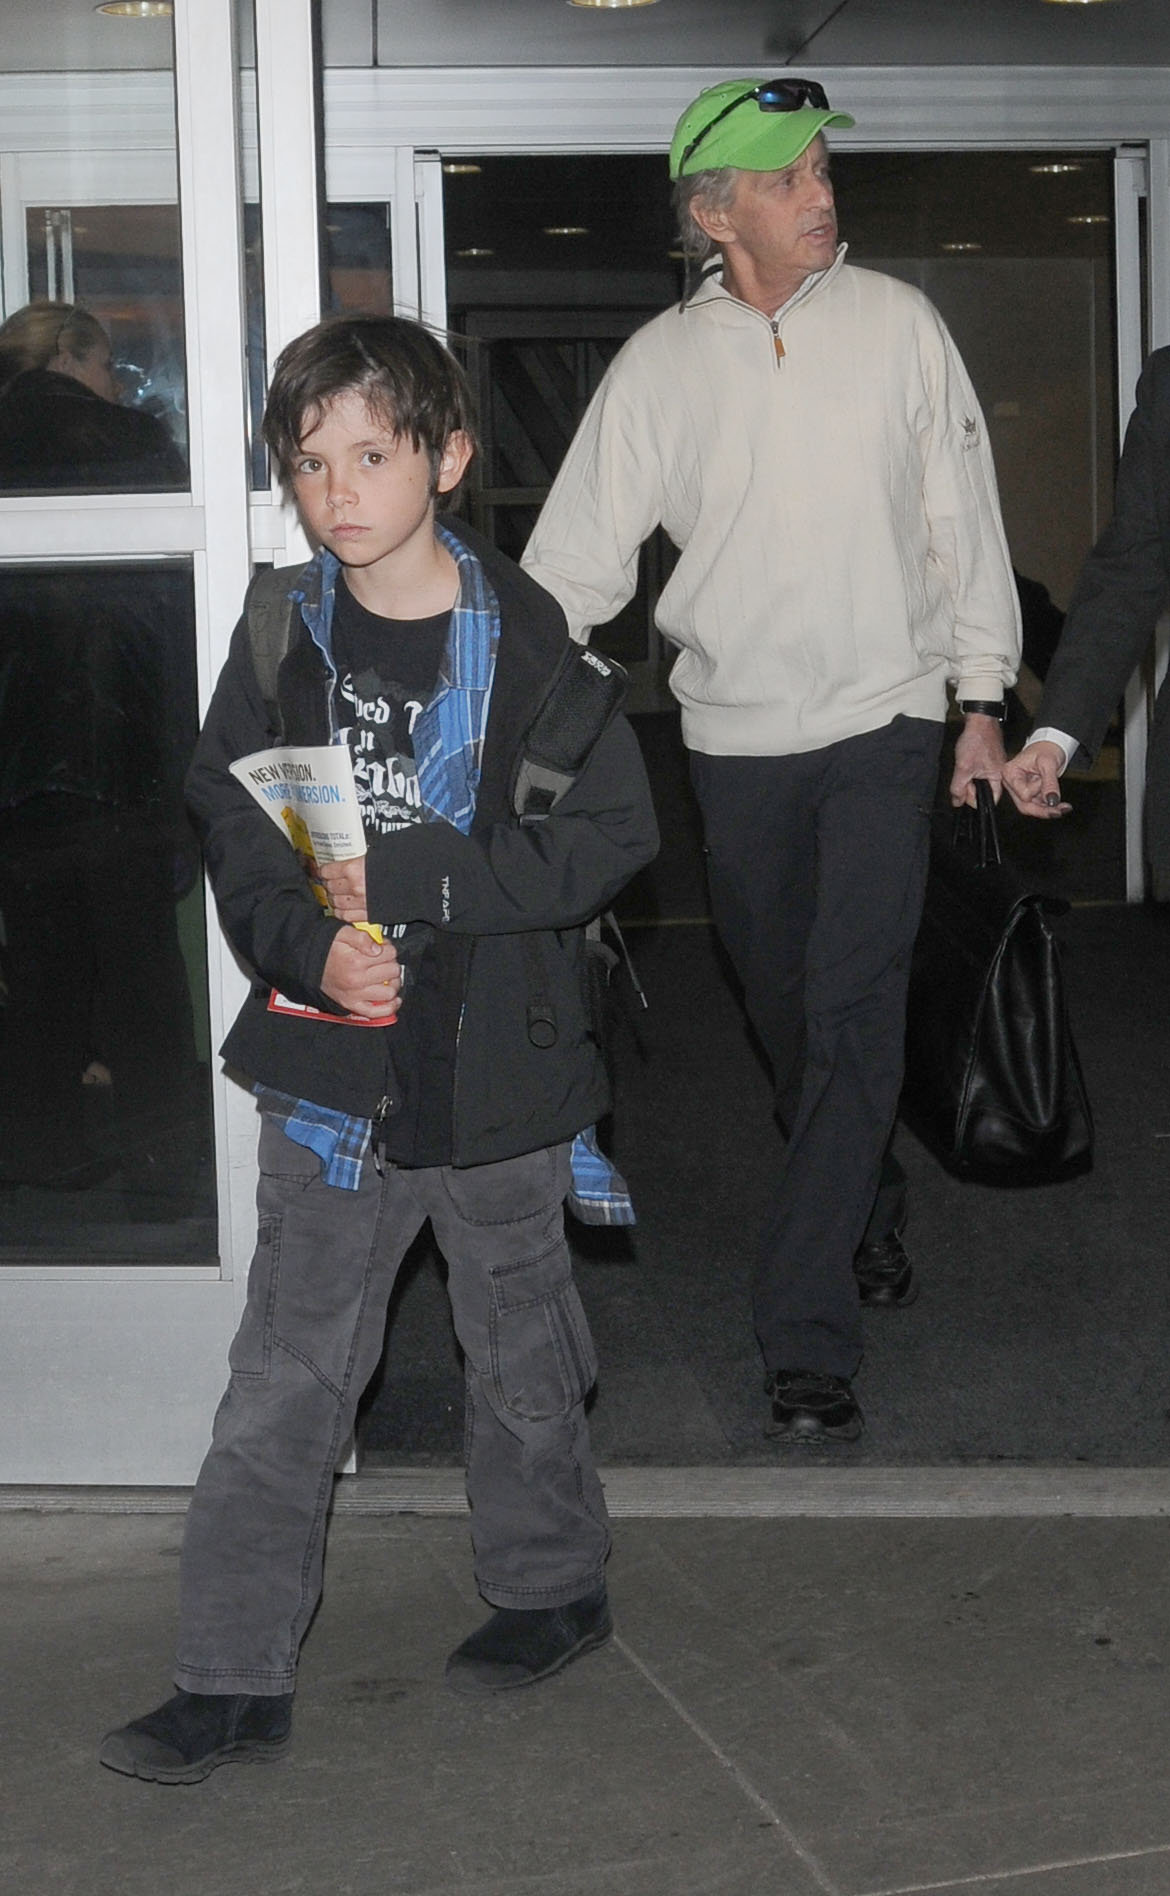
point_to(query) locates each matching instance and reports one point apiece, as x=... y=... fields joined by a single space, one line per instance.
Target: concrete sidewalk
x=852 y=1706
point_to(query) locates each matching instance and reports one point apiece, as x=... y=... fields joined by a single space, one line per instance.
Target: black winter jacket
x=507 y=903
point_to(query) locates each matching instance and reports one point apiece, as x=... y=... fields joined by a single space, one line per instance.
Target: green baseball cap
x=751 y=124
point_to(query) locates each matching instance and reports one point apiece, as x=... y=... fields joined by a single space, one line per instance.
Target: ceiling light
x=613 y=3
x=955 y=248
x=137 y=9
x=1054 y=171
x=1090 y=217
x=475 y=250
x=1076 y=3
x=566 y=230
x=460 y=170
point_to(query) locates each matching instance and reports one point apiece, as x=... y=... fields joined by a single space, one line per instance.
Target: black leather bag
x=993 y=1083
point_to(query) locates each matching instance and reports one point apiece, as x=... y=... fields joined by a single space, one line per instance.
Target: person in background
x=809 y=438
x=1123 y=587
x=62 y=423
x=98 y=715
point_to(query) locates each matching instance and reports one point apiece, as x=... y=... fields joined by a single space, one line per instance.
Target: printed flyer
x=308 y=791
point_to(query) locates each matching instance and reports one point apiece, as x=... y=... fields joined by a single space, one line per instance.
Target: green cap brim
x=751 y=140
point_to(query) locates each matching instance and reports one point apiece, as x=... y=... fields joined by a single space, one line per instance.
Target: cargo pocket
x=542 y=1357
x=250 y=1355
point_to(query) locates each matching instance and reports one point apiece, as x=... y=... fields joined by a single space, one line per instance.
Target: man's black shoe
x=885 y=1275
x=184 y=1740
x=810 y=1407
x=518 y=1646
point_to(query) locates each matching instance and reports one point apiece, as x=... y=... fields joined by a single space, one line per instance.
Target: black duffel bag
x=993 y=1083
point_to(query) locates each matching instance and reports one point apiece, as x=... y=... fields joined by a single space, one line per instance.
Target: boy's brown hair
x=403 y=373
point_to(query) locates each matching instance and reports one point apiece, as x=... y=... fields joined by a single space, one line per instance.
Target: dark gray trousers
x=311 y=1337
x=817 y=866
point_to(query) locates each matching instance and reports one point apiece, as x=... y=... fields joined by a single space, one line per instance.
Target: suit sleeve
x=506 y=879
x=268 y=911
x=1124 y=582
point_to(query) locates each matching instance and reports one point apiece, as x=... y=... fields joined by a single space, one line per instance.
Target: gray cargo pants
x=311 y=1337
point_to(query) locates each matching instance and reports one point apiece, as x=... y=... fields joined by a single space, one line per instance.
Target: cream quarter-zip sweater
x=826 y=477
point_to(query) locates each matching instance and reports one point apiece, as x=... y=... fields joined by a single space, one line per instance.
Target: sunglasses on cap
x=774 y=95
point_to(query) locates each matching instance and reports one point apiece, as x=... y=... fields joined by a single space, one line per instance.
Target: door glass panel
x=105 y=1147
x=359 y=275
x=551 y=264
x=121 y=265
x=93 y=382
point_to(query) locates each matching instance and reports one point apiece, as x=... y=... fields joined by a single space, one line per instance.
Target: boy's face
x=366 y=492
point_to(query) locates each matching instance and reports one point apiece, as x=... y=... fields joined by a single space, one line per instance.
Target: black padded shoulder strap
x=269 y=612
x=585 y=694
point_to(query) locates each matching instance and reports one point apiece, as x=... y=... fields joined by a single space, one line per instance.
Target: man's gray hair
x=713 y=191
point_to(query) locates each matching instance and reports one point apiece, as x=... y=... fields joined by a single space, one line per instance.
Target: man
x=809 y=439
x=1114 y=608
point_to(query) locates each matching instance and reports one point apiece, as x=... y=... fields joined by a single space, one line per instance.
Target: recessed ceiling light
x=566 y=230
x=1090 y=217
x=475 y=250
x=1054 y=171
x=960 y=247
x=454 y=170
x=613 y=3
x=137 y=9
x=1076 y=3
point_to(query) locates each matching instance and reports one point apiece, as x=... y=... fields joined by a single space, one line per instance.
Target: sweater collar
x=711 y=289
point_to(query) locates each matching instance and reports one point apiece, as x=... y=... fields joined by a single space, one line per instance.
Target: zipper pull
x=378 y=1131
x=776 y=343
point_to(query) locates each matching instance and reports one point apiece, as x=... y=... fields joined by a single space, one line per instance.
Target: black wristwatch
x=983 y=708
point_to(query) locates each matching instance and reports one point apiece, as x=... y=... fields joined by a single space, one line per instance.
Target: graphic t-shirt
x=387 y=670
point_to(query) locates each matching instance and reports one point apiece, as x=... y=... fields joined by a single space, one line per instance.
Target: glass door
x=123 y=538
x=105 y=1095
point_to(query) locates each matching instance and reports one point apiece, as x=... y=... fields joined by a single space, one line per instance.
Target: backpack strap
x=269 y=613
x=585 y=694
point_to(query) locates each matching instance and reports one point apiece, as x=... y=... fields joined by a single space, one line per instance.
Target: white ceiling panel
x=751 y=35
x=69 y=36
x=757 y=34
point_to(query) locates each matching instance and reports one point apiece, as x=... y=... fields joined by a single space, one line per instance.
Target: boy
x=429 y=654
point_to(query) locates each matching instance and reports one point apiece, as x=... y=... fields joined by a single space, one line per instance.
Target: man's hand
x=979 y=752
x=345 y=885
x=1032 y=780
x=362 y=975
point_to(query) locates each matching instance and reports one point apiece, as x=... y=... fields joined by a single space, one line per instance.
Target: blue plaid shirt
x=448 y=750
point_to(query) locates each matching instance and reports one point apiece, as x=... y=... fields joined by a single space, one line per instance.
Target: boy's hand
x=345 y=885
x=362 y=975
x=1033 y=780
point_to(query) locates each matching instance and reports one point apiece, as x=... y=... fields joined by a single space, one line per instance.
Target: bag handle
x=983 y=819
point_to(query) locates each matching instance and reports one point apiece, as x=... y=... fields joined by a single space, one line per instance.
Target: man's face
x=782 y=223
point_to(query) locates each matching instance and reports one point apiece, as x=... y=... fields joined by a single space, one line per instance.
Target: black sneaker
x=518 y=1646
x=885 y=1275
x=184 y=1740
x=810 y=1407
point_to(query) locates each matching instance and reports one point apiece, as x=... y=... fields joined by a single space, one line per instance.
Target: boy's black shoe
x=810 y=1407
x=519 y=1646
x=885 y=1275
x=184 y=1740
